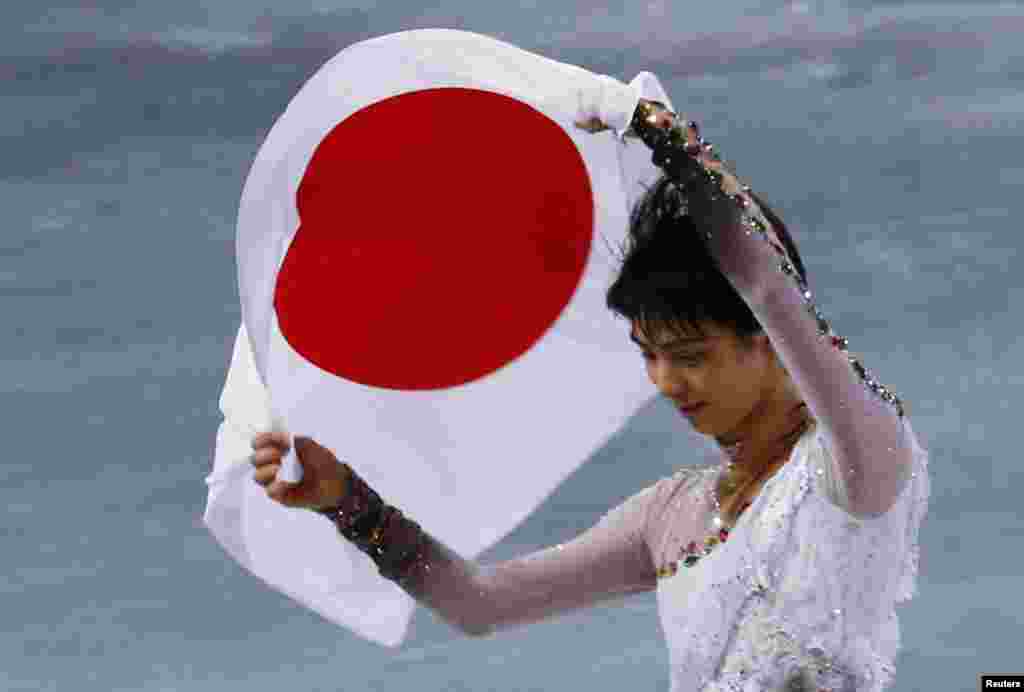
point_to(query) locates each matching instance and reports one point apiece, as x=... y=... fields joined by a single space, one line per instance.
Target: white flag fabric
x=424 y=243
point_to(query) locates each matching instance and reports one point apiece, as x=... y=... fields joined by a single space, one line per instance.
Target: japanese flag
x=424 y=242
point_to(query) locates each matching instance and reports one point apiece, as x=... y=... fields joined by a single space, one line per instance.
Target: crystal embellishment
x=752 y=221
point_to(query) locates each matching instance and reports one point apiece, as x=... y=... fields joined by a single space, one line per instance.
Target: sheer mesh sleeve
x=866 y=436
x=610 y=560
x=861 y=418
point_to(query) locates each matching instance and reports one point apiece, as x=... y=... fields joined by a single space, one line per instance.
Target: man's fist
x=324 y=478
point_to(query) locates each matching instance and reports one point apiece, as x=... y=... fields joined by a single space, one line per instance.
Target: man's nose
x=669 y=382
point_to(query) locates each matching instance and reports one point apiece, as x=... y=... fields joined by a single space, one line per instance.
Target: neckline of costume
x=809 y=426
x=717 y=532
x=769 y=480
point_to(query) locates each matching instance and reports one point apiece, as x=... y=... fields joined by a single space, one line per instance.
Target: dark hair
x=668 y=277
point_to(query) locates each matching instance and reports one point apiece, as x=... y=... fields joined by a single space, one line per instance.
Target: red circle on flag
x=442 y=233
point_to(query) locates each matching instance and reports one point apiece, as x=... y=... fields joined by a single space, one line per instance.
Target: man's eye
x=685 y=358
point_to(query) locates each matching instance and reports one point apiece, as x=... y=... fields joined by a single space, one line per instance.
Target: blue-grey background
x=887 y=135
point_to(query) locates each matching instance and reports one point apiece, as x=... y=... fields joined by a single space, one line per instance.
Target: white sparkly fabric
x=802 y=596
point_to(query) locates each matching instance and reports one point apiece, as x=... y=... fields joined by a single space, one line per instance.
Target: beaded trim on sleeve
x=396 y=544
x=675 y=155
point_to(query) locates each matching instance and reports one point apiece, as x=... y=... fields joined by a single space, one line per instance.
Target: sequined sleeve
x=610 y=560
x=862 y=419
x=865 y=428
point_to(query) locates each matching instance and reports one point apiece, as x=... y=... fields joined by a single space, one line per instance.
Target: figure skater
x=778 y=568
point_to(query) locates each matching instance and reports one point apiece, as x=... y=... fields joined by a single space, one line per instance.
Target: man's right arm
x=608 y=561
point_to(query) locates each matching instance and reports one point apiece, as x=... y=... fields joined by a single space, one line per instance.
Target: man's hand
x=662 y=118
x=324 y=479
x=592 y=125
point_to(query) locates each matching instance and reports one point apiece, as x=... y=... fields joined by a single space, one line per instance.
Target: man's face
x=727 y=377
